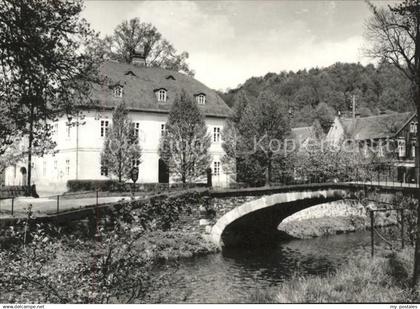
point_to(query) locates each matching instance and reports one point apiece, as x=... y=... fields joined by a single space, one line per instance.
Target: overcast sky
x=230 y=41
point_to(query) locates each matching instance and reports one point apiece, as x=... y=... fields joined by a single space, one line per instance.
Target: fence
x=373 y=230
x=7 y=192
x=53 y=204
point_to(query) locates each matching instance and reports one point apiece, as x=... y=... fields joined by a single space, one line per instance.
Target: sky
x=231 y=41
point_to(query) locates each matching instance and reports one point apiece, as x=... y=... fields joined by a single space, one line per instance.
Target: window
x=161 y=95
x=201 y=99
x=104 y=169
x=135 y=163
x=401 y=148
x=216 y=168
x=118 y=91
x=68 y=167
x=137 y=129
x=413 y=149
x=381 y=150
x=413 y=127
x=104 y=128
x=162 y=129
x=68 y=127
x=216 y=134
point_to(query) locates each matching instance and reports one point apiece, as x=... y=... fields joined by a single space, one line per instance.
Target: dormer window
x=170 y=77
x=118 y=91
x=161 y=95
x=201 y=99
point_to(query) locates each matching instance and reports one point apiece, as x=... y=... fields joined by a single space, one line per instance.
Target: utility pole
x=353 y=98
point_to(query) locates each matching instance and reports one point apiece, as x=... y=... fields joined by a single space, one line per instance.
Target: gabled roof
x=373 y=127
x=139 y=89
x=406 y=123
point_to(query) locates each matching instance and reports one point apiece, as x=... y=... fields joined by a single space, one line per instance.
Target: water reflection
x=235 y=273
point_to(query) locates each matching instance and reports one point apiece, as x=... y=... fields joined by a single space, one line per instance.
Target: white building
x=148 y=94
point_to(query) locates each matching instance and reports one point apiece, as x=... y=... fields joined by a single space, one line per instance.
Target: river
x=234 y=274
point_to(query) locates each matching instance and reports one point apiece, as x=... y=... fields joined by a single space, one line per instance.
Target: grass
x=362 y=280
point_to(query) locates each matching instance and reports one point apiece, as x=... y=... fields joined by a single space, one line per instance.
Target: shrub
x=115 y=186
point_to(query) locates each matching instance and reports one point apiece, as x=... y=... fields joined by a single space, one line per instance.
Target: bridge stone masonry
x=235 y=217
x=254 y=221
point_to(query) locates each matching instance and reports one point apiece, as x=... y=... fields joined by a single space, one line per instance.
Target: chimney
x=138 y=58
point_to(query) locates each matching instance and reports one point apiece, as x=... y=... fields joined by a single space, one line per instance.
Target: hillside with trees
x=320 y=93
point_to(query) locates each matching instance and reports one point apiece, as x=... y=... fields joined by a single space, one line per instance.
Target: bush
x=361 y=280
x=115 y=186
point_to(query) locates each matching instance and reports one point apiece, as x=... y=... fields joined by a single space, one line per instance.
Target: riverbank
x=383 y=279
x=332 y=219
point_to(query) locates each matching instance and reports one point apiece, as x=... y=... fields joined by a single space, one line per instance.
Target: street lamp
x=78 y=122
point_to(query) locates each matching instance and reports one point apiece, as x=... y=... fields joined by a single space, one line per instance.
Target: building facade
x=148 y=94
x=406 y=150
x=391 y=137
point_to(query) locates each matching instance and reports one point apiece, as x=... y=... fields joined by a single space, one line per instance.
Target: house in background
x=406 y=154
x=301 y=135
x=148 y=94
x=374 y=132
x=373 y=129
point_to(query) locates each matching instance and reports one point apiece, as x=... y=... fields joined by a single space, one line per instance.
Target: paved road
x=49 y=205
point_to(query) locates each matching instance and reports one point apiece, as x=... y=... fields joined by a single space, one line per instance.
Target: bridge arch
x=255 y=222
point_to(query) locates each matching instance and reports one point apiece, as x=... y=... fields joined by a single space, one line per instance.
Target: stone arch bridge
x=255 y=222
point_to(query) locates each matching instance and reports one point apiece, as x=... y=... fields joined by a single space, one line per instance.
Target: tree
x=44 y=68
x=158 y=52
x=230 y=136
x=325 y=115
x=265 y=124
x=121 y=147
x=185 y=145
x=395 y=36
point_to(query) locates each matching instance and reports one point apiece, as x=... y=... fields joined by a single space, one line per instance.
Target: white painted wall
x=51 y=172
x=336 y=132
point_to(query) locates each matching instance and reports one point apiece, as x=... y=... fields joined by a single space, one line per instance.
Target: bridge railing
x=384 y=174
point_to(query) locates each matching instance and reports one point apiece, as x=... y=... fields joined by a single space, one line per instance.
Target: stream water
x=234 y=274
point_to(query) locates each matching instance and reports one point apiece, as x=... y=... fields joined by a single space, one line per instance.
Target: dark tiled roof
x=381 y=126
x=139 y=84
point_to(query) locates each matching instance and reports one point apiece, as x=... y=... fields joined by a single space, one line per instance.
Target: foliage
x=45 y=68
x=121 y=146
x=10 y=156
x=264 y=125
x=378 y=89
x=132 y=35
x=361 y=280
x=324 y=115
x=409 y=205
x=186 y=142
x=115 y=267
x=395 y=38
x=110 y=185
